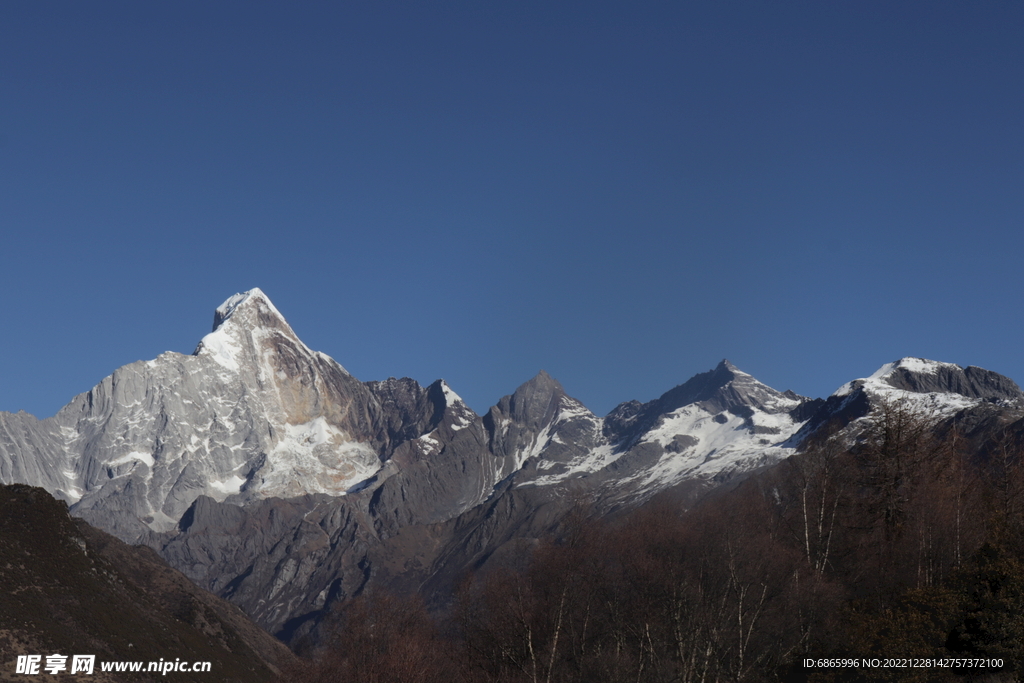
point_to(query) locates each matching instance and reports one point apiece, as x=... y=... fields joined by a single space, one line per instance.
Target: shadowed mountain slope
x=68 y=588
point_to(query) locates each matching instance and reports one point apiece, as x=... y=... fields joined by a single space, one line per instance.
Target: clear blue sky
x=621 y=194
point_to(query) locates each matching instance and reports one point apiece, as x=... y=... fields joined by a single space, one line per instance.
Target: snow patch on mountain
x=429 y=444
x=145 y=458
x=226 y=487
x=714 y=443
x=540 y=442
x=450 y=397
x=315 y=457
x=589 y=463
x=569 y=408
x=222 y=348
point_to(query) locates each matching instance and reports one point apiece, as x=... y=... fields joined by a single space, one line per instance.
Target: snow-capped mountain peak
x=250 y=309
x=245 y=328
x=936 y=389
x=724 y=387
x=252 y=413
x=880 y=378
x=909 y=375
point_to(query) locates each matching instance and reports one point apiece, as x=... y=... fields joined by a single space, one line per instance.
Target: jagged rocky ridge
x=272 y=477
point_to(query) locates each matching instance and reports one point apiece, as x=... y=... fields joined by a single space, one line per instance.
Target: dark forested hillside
x=67 y=588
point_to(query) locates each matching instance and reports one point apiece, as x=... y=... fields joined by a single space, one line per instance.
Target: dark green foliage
x=991 y=623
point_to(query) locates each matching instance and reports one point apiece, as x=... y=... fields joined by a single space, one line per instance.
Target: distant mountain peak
x=535 y=402
x=247 y=309
x=726 y=364
x=920 y=366
x=923 y=376
x=541 y=384
x=240 y=325
x=719 y=388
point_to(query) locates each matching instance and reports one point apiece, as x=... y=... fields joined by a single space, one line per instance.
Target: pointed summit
x=243 y=325
x=535 y=402
x=726 y=387
x=703 y=386
x=251 y=308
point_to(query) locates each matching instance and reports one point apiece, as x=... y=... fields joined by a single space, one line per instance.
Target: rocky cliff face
x=272 y=477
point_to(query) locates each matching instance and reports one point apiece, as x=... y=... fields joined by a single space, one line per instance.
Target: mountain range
x=273 y=478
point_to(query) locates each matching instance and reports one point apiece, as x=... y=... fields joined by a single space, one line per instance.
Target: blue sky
x=621 y=194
